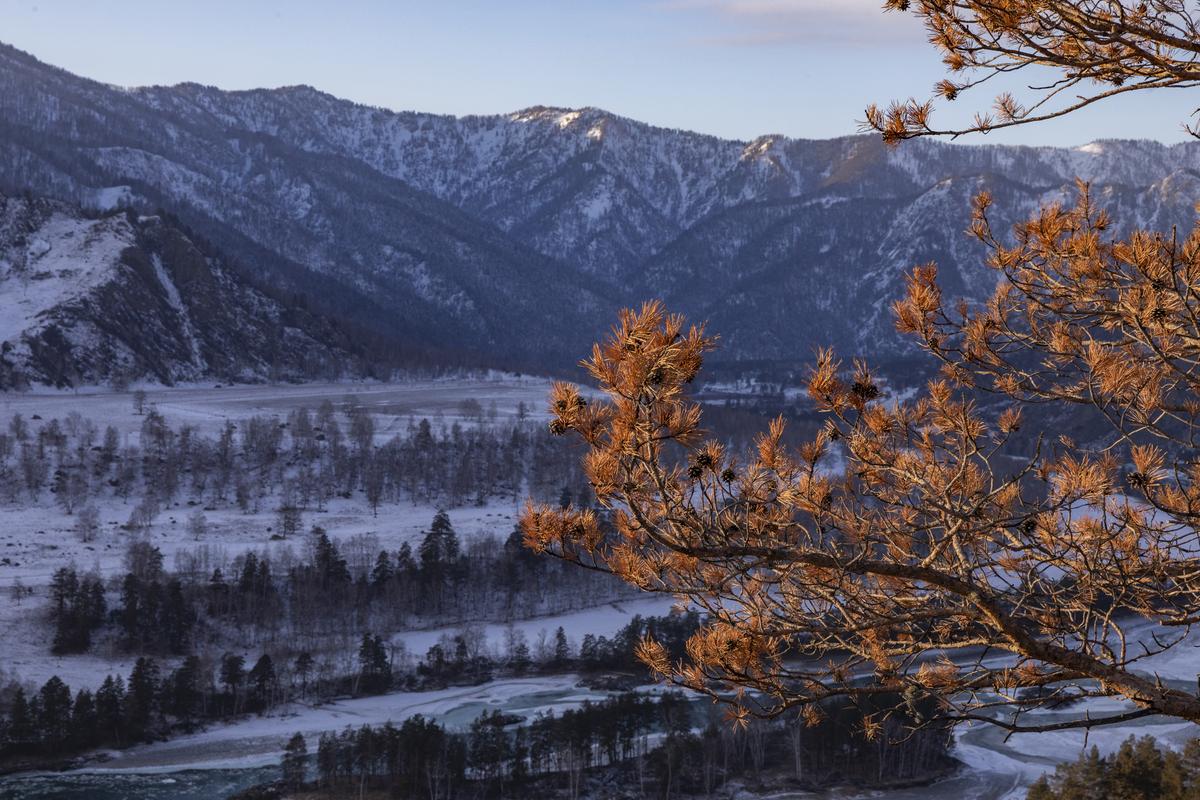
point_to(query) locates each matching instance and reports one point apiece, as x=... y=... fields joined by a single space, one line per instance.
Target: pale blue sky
x=734 y=68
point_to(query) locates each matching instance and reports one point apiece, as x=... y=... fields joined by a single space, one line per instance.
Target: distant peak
x=566 y=119
x=303 y=88
x=596 y=123
x=761 y=146
x=543 y=113
x=563 y=117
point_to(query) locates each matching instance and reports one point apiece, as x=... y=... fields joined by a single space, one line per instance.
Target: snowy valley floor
x=36 y=539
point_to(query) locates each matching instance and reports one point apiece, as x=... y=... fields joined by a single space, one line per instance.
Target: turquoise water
x=195 y=784
x=218 y=784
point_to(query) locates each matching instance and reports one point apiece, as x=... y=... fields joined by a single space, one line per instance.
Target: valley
x=511 y=240
x=294 y=502
x=38 y=539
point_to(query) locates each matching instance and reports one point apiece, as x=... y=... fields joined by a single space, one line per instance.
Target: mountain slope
x=358 y=242
x=115 y=297
x=517 y=236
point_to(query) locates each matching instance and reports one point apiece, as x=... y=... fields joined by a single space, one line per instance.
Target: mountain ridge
x=518 y=236
x=116 y=297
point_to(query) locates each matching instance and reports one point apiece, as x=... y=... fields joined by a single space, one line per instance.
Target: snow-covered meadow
x=38 y=537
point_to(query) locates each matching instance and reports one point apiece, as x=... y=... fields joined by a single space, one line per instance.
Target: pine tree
x=520 y=661
x=405 y=565
x=95 y=604
x=128 y=617
x=262 y=677
x=327 y=759
x=562 y=649
x=218 y=593
x=63 y=586
x=373 y=484
x=176 y=619
x=329 y=564
x=430 y=553
x=374 y=668
x=233 y=675
x=77 y=607
x=141 y=695
x=695 y=519
x=110 y=702
x=448 y=539
x=183 y=690
x=295 y=762
x=20 y=730
x=290 y=520
x=439 y=554
x=304 y=666
x=1087 y=52
x=248 y=581
x=1139 y=770
x=53 y=724
x=84 y=720
x=382 y=572
x=588 y=650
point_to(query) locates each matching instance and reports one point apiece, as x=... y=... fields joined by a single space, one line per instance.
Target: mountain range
x=516 y=237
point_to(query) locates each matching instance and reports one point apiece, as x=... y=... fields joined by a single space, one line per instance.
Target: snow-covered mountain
x=519 y=235
x=91 y=298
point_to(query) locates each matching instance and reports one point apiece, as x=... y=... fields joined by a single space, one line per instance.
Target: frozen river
x=215 y=763
x=224 y=759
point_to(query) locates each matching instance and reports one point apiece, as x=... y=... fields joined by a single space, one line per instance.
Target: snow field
x=37 y=538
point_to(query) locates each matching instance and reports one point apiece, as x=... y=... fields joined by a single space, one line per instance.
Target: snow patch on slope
x=110 y=198
x=597 y=206
x=85 y=255
x=176 y=303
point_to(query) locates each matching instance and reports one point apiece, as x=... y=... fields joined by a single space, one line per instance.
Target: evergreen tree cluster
x=292 y=465
x=151 y=703
x=1138 y=770
x=77 y=608
x=319 y=597
x=459 y=659
x=443 y=582
x=417 y=759
x=654 y=747
x=155 y=617
x=53 y=722
x=154 y=614
x=600 y=653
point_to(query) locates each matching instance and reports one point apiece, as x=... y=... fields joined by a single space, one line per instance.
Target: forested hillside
x=517 y=236
x=116 y=297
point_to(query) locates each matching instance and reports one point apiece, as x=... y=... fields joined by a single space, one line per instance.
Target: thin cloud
x=752 y=23
x=781 y=7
